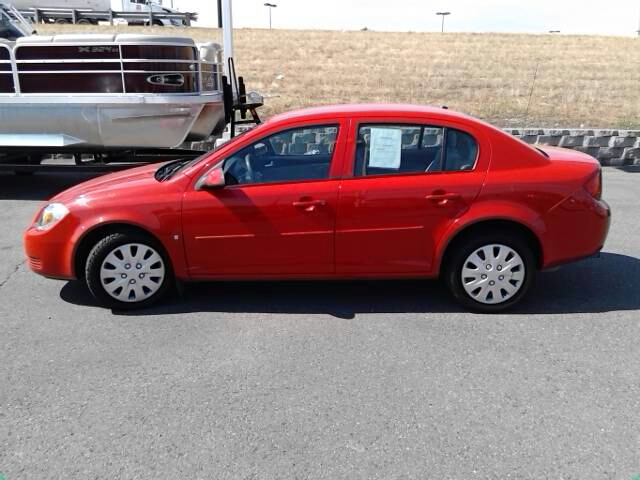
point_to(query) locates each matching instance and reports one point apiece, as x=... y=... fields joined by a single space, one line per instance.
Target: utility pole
x=443 y=14
x=227 y=33
x=270 y=6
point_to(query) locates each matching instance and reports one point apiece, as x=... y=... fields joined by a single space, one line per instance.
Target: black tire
x=454 y=263
x=105 y=247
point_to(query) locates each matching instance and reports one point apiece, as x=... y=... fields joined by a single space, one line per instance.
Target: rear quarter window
x=461 y=151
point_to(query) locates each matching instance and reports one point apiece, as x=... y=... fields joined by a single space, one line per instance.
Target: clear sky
x=615 y=17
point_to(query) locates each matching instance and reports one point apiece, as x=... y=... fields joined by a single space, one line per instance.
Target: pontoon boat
x=100 y=91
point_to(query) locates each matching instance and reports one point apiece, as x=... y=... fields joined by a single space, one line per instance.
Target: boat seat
x=209 y=51
x=80 y=38
x=136 y=38
x=34 y=39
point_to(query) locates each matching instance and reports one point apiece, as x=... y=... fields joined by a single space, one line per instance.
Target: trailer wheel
x=61 y=21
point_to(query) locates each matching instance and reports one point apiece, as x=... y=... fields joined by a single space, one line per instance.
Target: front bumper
x=48 y=251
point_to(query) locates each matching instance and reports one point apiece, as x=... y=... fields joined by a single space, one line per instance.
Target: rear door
x=276 y=215
x=405 y=182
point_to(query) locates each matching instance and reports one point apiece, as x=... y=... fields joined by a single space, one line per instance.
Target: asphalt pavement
x=320 y=380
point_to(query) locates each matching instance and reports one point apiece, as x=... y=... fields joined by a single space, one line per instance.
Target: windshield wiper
x=167 y=170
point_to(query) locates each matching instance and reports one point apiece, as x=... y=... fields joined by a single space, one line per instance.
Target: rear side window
x=384 y=149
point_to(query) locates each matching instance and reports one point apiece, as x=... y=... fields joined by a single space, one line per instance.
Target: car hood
x=118 y=184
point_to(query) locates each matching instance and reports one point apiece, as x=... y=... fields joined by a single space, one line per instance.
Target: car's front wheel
x=490 y=272
x=128 y=270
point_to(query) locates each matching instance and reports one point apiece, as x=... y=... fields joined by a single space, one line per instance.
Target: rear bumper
x=577 y=229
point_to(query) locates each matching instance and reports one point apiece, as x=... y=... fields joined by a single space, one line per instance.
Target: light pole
x=443 y=14
x=270 y=6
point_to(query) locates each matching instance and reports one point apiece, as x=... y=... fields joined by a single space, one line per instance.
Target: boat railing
x=109 y=67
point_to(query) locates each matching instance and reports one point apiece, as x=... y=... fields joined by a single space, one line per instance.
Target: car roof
x=391 y=110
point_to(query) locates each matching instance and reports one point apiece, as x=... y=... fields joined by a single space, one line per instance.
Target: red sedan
x=360 y=191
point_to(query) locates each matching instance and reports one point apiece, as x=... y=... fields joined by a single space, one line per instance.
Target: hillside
x=581 y=80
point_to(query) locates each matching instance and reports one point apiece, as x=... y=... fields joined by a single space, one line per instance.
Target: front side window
x=404 y=149
x=291 y=155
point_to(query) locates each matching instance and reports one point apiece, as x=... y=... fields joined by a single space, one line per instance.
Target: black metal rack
x=238 y=103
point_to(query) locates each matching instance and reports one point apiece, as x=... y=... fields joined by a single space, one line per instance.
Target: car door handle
x=443 y=198
x=309 y=205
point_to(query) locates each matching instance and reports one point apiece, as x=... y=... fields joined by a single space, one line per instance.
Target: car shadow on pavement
x=608 y=283
x=38 y=186
x=630 y=168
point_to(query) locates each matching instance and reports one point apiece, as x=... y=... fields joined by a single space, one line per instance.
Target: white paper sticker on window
x=386 y=148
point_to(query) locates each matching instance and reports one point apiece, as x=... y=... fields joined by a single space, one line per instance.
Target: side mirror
x=214 y=178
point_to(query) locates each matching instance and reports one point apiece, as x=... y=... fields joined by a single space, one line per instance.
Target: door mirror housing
x=213 y=179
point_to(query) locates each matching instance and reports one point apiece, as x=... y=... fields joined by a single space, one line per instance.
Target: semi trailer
x=133 y=12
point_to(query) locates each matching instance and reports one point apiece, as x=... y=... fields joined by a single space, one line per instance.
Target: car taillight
x=594 y=185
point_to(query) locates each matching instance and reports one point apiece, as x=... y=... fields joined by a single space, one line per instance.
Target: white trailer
x=93 y=11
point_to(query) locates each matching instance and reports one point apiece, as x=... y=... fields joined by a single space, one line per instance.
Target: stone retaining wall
x=610 y=147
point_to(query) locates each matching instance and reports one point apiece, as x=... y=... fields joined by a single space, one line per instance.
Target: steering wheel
x=238 y=170
x=249 y=168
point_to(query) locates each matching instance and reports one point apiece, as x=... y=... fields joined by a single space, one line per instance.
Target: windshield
x=12 y=29
x=10 y=32
x=169 y=169
x=542 y=152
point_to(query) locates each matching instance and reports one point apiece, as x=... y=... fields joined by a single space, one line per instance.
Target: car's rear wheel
x=128 y=270
x=490 y=272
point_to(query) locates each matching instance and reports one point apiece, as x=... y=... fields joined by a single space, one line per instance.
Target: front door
x=275 y=216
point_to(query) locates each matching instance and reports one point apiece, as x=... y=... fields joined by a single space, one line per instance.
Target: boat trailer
x=111 y=102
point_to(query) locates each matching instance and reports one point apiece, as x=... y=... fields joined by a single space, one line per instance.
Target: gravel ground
x=322 y=380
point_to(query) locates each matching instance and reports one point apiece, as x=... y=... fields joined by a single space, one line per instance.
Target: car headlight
x=50 y=215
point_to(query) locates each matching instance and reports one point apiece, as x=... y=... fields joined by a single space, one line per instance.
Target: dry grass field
x=586 y=81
